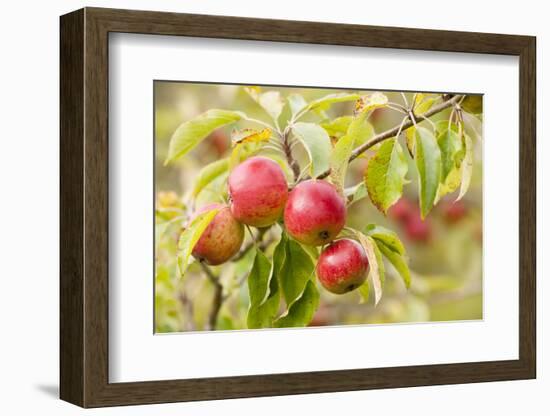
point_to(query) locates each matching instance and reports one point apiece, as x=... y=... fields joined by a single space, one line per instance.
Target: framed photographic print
x=334 y=207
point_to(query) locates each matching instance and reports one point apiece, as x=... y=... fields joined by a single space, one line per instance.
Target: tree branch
x=393 y=131
x=289 y=158
x=187 y=307
x=216 y=300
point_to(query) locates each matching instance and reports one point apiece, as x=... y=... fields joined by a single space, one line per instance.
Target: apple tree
x=284 y=195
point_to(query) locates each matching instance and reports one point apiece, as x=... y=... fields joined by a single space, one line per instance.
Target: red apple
x=222 y=239
x=453 y=212
x=258 y=192
x=315 y=213
x=342 y=266
x=219 y=141
x=402 y=210
x=418 y=230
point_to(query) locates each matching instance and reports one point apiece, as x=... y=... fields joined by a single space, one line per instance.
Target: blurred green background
x=445 y=250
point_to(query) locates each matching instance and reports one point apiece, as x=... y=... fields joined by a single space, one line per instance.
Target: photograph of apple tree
x=281 y=207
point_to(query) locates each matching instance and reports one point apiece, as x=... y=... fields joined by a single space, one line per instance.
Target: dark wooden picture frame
x=84 y=207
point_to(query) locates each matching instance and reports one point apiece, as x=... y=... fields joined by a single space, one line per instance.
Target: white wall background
x=29 y=84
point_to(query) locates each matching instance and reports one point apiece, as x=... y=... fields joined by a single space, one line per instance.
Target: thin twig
x=187 y=307
x=393 y=131
x=216 y=299
x=288 y=153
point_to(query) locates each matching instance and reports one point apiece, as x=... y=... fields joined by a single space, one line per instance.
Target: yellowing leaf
x=190 y=236
x=450 y=146
x=467 y=167
x=250 y=135
x=376 y=265
x=450 y=184
x=385 y=175
x=190 y=133
x=409 y=140
x=370 y=102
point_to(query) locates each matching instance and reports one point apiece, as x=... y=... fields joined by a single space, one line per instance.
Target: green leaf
x=272 y=103
x=385 y=236
x=302 y=310
x=317 y=144
x=363 y=131
x=376 y=265
x=208 y=174
x=423 y=103
x=327 y=100
x=295 y=272
x=466 y=167
x=296 y=103
x=428 y=164
x=450 y=184
x=450 y=146
x=312 y=251
x=385 y=175
x=356 y=193
x=190 y=236
x=339 y=160
x=338 y=126
x=243 y=150
x=364 y=292
x=190 y=133
x=263 y=292
x=398 y=261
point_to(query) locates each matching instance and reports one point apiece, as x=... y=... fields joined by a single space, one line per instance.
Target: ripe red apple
x=418 y=230
x=342 y=266
x=258 y=192
x=402 y=210
x=222 y=239
x=315 y=213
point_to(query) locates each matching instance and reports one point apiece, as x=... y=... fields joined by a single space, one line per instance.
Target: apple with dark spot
x=258 y=192
x=315 y=213
x=222 y=239
x=342 y=266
